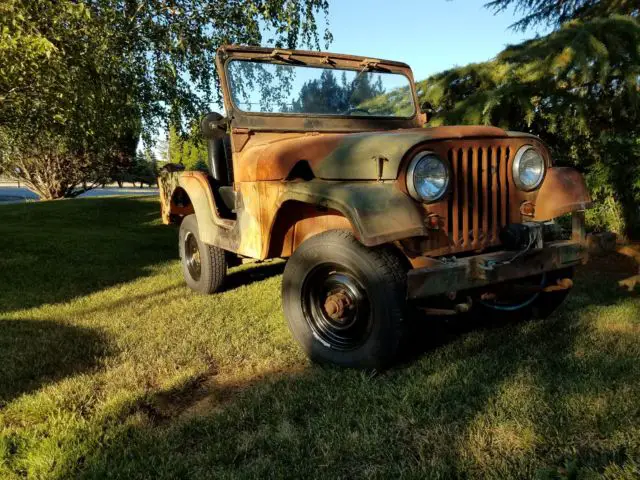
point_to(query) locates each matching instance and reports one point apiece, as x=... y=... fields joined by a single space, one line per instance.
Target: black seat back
x=219 y=158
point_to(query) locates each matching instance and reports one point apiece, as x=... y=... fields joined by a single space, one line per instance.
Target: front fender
x=378 y=212
x=563 y=191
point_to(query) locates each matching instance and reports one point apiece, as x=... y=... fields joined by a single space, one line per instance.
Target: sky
x=429 y=35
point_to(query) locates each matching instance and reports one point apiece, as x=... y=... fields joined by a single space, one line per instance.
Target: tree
x=65 y=108
x=79 y=78
x=326 y=95
x=189 y=150
x=556 y=12
x=323 y=95
x=578 y=88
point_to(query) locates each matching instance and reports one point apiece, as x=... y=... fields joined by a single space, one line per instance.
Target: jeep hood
x=350 y=156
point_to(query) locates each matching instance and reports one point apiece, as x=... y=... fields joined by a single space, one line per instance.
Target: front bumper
x=482 y=270
x=491 y=268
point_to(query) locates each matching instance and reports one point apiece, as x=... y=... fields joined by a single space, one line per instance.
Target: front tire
x=344 y=302
x=204 y=266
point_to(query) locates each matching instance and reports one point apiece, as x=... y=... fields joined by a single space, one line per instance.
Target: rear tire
x=204 y=266
x=344 y=302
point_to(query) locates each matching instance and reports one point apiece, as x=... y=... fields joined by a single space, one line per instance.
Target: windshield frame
x=275 y=121
x=321 y=67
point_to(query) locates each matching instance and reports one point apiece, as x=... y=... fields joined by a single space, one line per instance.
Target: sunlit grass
x=110 y=366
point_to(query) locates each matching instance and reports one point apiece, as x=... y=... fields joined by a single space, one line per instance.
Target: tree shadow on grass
x=488 y=405
x=540 y=399
x=55 y=251
x=603 y=278
x=34 y=353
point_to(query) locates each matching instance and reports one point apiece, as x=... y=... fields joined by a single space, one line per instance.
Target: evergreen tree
x=578 y=88
x=188 y=150
x=326 y=95
x=556 y=12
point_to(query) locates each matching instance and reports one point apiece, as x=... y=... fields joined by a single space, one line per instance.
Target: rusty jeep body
x=325 y=159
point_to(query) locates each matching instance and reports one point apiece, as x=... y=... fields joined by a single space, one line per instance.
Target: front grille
x=478 y=205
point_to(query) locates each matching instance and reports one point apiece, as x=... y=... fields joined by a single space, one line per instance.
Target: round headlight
x=528 y=168
x=427 y=177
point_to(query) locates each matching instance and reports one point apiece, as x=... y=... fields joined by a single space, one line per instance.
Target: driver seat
x=220 y=161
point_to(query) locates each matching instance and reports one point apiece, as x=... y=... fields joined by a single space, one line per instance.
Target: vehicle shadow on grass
x=34 y=353
x=243 y=275
x=549 y=399
x=55 y=251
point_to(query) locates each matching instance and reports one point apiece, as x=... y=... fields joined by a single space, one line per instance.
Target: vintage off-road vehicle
x=324 y=159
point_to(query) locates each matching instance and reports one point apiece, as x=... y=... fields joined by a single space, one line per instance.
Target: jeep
x=327 y=160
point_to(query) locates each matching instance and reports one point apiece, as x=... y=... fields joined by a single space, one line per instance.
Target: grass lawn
x=111 y=367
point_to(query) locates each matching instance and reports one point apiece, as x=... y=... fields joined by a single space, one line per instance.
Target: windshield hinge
x=281 y=54
x=371 y=63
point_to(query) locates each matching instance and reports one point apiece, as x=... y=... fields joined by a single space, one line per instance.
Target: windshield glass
x=260 y=87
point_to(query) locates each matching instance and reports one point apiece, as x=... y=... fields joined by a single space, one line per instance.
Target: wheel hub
x=336 y=306
x=192 y=256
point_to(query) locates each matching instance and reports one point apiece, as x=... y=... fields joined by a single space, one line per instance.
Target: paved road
x=15 y=194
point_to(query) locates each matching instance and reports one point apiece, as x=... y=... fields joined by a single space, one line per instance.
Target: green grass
x=111 y=367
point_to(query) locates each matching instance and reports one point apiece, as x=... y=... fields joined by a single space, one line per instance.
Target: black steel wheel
x=204 y=266
x=192 y=256
x=336 y=306
x=344 y=302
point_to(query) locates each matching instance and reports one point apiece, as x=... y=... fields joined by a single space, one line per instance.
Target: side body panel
x=275 y=216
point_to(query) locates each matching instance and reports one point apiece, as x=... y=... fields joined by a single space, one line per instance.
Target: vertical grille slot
x=464 y=174
x=478 y=206
x=477 y=201
x=450 y=157
x=495 y=208
x=486 y=154
x=505 y=187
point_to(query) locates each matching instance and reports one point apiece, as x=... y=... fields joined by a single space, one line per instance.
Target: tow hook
x=561 y=284
x=458 y=308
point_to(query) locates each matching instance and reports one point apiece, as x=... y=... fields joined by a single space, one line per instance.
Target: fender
x=378 y=211
x=563 y=190
x=212 y=228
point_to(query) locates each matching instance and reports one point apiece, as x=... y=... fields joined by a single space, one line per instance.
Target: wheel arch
x=180 y=205
x=185 y=193
x=296 y=220
x=376 y=213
